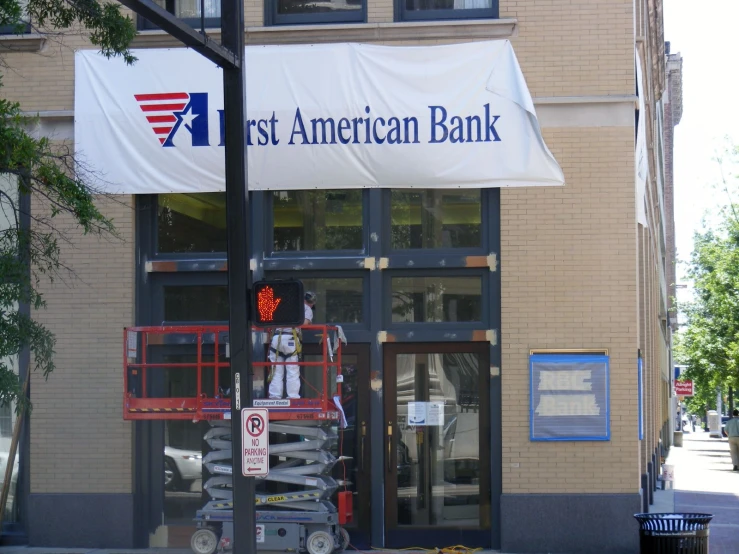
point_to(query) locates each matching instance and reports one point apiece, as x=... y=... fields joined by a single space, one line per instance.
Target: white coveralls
x=283 y=348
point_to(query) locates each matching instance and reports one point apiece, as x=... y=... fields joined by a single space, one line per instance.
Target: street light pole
x=239 y=276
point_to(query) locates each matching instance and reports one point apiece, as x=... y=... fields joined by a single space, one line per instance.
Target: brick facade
x=577 y=271
x=80 y=443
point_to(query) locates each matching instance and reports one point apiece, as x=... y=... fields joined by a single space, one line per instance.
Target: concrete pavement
x=705 y=483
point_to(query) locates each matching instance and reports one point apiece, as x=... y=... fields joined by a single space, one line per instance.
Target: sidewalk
x=704 y=483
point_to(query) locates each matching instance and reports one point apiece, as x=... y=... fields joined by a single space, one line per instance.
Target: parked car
x=724 y=419
x=181 y=468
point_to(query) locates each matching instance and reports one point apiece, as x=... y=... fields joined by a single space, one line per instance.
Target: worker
x=286 y=346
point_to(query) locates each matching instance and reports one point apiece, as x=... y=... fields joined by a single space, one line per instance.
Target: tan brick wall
x=79 y=441
x=583 y=48
x=569 y=269
x=568 y=259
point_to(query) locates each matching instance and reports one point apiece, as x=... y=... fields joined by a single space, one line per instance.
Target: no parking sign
x=255 y=442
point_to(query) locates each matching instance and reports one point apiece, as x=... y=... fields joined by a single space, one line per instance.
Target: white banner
x=327 y=116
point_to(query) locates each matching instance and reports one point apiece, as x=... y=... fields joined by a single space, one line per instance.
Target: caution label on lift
x=255 y=442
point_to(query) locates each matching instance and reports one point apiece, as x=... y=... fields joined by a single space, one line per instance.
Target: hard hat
x=310 y=297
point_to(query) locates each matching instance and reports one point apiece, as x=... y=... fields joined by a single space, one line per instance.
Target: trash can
x=673 y=533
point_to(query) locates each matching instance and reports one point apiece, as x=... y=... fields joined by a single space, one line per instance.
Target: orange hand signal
x=267 y=303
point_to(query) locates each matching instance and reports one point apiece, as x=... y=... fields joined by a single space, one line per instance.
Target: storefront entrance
x=390 y=267
x=437 y=445
x=353 y=441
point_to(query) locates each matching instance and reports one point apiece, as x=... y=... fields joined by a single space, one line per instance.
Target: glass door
x=353 y=444
x=437 y=445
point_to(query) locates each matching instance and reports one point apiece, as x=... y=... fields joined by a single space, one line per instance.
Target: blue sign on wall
x=569 y=397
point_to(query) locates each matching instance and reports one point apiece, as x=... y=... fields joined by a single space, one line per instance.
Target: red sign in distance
x=684 y=388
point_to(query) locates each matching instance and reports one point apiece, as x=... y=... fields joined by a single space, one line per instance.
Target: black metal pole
x=239 y=277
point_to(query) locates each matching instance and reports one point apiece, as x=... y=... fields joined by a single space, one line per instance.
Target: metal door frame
x=432 y=536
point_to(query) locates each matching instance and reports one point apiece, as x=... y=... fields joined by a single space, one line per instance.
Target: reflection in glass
x=436 y=218
x=186 y=9
x=189 y=9
x=7 y=422
x=438 y=451
x=347 y=469
x=317 y=220
x=285 y=7
x=420 y=5
x=339 y=300
x=183 y=470
x=191 y=222
x=196 y=303
x=436 y=299
x=9 y=199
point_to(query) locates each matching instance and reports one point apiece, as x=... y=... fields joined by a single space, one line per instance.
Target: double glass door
x=437 y=446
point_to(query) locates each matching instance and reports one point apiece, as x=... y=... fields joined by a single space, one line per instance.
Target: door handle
x=363 y=434
x=389 y=446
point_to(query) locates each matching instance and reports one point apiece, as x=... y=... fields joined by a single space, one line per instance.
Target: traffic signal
x=278 y=302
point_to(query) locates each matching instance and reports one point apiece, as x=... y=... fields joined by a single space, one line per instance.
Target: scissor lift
x=302 y=432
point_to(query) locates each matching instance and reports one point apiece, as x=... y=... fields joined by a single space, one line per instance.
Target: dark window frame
x=9 y=30
x=273 y=18
x=387 y=223
x=401 y=14
x=358 y=274
x=195 y=279
x=143 y=24
x=269 y=233
x=387 y=307
x=148 y=210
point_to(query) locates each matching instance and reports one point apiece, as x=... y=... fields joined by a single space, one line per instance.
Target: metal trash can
x=673 y=533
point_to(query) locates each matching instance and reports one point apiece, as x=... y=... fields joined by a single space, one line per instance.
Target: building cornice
x=29 y=42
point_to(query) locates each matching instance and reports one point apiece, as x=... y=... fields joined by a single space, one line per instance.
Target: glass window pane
x=436 y=219
x=436 y=299
x=192 y=222
x=186 y=9
x=183 y=470
x=339 y=300
x=196 y=303
x=191 y=8
x=9 y=201
x=317 y=220
x=285 y=7
x=425 y=5
x=439 y=444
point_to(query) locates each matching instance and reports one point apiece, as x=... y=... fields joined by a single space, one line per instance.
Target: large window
x=23 y=26
x=10 y=209
x=436 y=218
x=436 y=299
x=190 y=223
x=340 y=300
x=448 y=9
x=286 y=12
x=189 y=12
x=196 y=303
x=317 y=220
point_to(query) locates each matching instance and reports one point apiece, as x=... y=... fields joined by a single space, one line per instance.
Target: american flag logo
x=159 y=110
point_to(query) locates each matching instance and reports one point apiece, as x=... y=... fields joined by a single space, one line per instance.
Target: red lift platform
x=184 y=372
